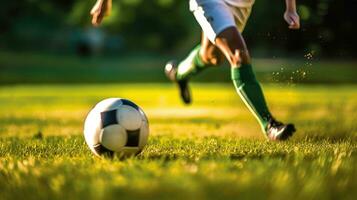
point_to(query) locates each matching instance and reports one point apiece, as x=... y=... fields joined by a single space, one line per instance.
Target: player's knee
x=233 y=46
x=219 y=58
x=212 y=56
x=236 y=57
x=213 y=59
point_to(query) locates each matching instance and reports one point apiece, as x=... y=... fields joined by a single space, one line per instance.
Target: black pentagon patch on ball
x=109 y=118
x=101 y=150
x=129 y=103
x=133 y=138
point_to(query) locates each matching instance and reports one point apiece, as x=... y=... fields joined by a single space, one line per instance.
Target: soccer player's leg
x=202 y=56
x=233 y=46
x=210 y=53
x=171 y=73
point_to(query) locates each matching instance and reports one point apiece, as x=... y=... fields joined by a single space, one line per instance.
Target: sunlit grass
x=211 y=150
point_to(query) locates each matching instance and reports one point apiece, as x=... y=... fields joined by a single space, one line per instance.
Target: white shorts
x=214 y=16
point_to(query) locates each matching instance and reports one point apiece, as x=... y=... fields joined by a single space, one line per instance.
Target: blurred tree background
x=46 y=41
x=328 y=27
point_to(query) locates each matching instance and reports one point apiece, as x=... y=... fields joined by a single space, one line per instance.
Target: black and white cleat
x=278 y=131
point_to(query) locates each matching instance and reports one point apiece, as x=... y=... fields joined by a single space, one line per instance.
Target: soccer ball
x=116 y=127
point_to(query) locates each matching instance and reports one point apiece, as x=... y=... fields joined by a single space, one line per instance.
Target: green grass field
x=210 y=150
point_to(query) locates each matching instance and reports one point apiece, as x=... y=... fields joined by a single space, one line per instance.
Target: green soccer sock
x=251 y=93
x=191 y=66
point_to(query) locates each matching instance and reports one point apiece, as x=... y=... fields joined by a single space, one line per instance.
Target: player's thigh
x=212 y=16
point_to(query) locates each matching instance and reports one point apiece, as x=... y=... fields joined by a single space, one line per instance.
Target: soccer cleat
x=279 y=131
x=171 y=71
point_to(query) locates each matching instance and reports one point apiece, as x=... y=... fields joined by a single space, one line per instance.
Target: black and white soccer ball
x=116 y=127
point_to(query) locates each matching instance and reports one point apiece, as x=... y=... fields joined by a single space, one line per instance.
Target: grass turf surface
x=210 y=150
